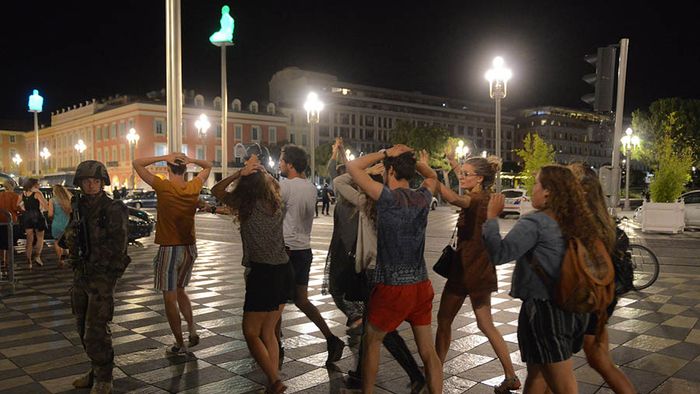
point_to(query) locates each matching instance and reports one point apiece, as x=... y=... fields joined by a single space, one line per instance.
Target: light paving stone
x=650 y=343
x=681 y=321
x=659 y=363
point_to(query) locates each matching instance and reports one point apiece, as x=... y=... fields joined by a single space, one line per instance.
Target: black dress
x=32 y=218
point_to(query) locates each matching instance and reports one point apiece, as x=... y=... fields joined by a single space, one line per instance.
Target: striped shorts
x=547 y=334
x=172 y=266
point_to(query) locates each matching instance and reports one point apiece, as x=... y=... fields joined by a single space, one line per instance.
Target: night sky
x=77 y=50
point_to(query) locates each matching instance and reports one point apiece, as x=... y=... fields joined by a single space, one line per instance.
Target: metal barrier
x=7 y=216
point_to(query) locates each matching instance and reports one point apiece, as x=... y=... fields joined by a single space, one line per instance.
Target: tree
x=323 y=155
x=678 y=118
x=431 y=138
x=536 y=153
x=673 y=166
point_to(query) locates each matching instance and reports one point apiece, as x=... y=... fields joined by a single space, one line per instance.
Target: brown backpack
x=586 y=283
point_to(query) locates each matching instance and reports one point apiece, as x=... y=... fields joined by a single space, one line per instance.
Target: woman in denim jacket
x=547 y=335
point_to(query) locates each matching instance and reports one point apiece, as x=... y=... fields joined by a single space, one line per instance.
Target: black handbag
x=449 y=254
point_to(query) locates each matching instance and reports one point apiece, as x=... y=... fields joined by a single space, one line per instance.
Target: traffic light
x=603 y=79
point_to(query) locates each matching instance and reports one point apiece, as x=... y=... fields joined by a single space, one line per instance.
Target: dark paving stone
x=63 y=371
x=690 y=371
x=669 y=332
x=684 y=350
x=135 y=346
x=622 y=354
x=34 y=388
x=193 y=379
x=40 y=357
x=644 y=381
x=655 y=317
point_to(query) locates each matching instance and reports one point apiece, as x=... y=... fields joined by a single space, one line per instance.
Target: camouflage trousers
x=92 y=301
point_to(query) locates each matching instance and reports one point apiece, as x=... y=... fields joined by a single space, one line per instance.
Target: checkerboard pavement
x=654 y=334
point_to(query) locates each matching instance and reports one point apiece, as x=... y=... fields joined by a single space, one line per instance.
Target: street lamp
x=80 y=147
x=224 y=38
x=45 y=154
x=348 y=155
x=17 y=159
x=498 y=78
x=202 y=124
x=461 y=151
x=629 y=141
x=36 y=104
x=133 y=139
x=313 y=107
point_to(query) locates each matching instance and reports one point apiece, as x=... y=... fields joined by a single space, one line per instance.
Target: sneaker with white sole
x=176 y=350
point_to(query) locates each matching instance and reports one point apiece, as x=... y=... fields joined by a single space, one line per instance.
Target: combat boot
x=84 y=382
x=101 y=388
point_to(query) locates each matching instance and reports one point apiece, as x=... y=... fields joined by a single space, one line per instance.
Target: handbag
x=449 y=254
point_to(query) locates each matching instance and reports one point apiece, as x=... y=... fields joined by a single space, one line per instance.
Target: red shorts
x=389 y=306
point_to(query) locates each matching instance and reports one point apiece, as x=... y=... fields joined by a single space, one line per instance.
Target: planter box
x=663 y=217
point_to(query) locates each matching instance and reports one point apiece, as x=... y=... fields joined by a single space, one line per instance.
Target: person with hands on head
x=403 y=291
x=172 y=266
x=256 y=205
x=547 y=335
x=472 y=274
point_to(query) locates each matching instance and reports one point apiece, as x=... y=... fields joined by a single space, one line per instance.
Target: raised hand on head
x=398 y=150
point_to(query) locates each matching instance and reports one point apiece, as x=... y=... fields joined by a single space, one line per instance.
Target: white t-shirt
x=299 y=200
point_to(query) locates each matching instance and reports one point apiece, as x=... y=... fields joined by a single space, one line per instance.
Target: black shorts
x=547 y=334
x=267 y=287
x=301 y=263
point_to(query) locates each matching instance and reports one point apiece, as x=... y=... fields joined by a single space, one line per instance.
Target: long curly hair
x=251 y=189
x=596 y=203
x=567 y=201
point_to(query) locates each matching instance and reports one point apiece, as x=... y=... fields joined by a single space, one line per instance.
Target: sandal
x=508 y=384
x=276 y=388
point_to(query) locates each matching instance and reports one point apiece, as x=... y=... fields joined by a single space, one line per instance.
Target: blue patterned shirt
x=402 y=215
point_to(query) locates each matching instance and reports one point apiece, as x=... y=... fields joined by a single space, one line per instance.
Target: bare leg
x=449 y=307
x=481 y=303
x=183 y=302
x=301 y=300
x=370 y=356
x=173 y=315
x=29 y=247
x=535 y=383
x=560 y=377
x=598 y=356
x=433 y=367
x=254 y=324
x=39 y=242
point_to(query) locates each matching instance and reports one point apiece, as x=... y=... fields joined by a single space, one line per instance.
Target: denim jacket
x=536 y=231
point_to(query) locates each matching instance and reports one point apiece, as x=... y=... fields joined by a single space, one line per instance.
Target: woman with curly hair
x=547 y=335
x=257 y=207
x=596 y=344
x=473 y=274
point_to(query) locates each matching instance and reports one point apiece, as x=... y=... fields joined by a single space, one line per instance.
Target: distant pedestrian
x=123 y=192
x=59 y=213
x=257 y=207
x=33 y=220
x=403 y=291
x=299 y=198
x=172 y=266
x=326 y=195
x=473 y=274
x=115 y=193
x=9 y=201
x=96 y=237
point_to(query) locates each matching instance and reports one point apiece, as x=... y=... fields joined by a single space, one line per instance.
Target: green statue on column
x=225 y=34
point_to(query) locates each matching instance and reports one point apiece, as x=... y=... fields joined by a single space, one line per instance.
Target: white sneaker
x=38 y=261
x=176 y=350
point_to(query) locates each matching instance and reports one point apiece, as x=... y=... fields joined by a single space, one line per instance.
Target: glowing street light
x=45 y=154
x=348 y=155
x=629 y=142
x=461 y=150
x=36 y=104
x=313 y=107
x=202 y=124
x=80 y=147
x=224 y=38
x=133 y=139
x=498 y=78
x=17 y=159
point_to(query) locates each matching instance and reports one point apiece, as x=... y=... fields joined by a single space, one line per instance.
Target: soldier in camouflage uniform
x=97 y=239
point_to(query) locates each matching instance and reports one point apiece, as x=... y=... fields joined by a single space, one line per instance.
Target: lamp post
x=629 y=141
x=17 y=159
x=202 y=124
x=80 y=147
x=133 y=139
x=45 y=154
x=498 y=77
x=348 y=155
x=36 y=104
x=224 y=38
x=313 y=107
x=461 y=151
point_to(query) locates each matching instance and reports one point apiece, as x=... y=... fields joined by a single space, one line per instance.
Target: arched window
x=217 y=102
x=236 y=104
x=271 y=108
x=199 y=100
x=253 y=107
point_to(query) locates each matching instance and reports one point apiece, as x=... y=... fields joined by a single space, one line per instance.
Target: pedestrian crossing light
x=603 y=79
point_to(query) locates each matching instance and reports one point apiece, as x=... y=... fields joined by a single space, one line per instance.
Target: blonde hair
x=487 y=168
x=63 y=196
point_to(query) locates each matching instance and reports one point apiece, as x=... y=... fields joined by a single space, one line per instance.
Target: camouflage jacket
x=104 y=249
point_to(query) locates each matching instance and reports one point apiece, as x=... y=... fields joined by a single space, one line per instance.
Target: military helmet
x=90 y=169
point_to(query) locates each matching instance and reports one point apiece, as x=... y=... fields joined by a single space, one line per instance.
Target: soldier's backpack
x=586 y=283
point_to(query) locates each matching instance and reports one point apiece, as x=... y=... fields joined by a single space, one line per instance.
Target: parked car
x=206 y=197
x=142 y=200
x=433 y=203
x=513 y=201
x=691 y=209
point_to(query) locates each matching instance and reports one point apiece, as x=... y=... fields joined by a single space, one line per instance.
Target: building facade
x=365 y=116
x=576 y=135
x=103 y=126
x=12 y=143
